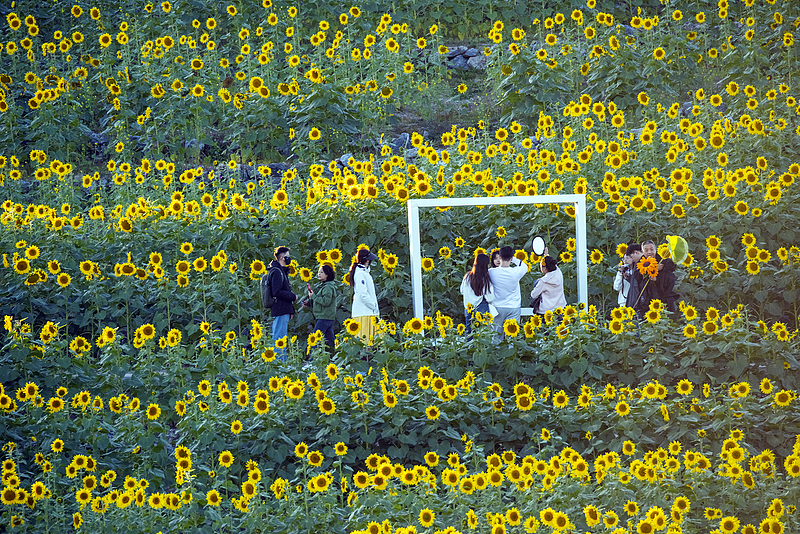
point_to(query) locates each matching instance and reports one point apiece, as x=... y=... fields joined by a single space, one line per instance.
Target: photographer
x=634 y=254
x=622 y=281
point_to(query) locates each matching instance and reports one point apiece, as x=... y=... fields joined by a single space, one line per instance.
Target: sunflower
x=622 y=408
x=765 y=386
x=432 y=412
x=511 y=328
x=783 y=398
x=560 y=399
x=226 y=458
x=213 y=498
x=200 y=264
x=353 y=327
x=153 y=411
x=315 y=458
x=327 y=406
x=710 y=327
x=525 y=402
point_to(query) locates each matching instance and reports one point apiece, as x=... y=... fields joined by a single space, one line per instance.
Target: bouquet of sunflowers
x=648 y=267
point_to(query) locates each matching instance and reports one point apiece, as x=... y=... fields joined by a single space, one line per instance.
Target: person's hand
x=310 y=293
x=652 y=277
x=546 y=251
x=291 y=316
x=660 y=266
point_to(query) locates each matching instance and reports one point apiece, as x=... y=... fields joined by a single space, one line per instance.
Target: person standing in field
x=322 y=300
x=283 y=297
x=505 y=280
x=477 y=290
x=365 y=302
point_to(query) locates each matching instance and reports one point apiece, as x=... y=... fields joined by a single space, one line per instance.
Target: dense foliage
x=152 y=156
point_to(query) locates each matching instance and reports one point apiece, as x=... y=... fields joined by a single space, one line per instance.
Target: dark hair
x=506 y=253
x=479 y=279
x=633 y=248
x=329 y=274
x=361 y=258
x=495 y=253
x=550 y=264
x=280 y=250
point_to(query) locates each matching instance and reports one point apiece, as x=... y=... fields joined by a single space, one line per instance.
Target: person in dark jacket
x=322 y=300
x=661 y=287
x=282 y=295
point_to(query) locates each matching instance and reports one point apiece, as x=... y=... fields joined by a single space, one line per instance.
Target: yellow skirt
x=366 y=327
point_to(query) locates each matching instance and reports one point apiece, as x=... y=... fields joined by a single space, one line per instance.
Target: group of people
x=322 y=298
x=638 y=290
x=493 y=285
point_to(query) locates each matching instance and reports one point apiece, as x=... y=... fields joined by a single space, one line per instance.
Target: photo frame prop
x=578 y=201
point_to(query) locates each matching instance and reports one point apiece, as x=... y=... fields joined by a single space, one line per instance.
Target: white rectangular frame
x=579 y=202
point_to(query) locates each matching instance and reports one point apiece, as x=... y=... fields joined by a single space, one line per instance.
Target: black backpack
x=267 y=300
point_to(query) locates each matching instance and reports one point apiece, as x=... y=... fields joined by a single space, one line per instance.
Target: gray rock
x=472 y=52
x=536 y=144
x=477 y=62
x=686 y=108
x=411 y=154
x=344 y=159
x=401 y=142
x=457 y=51
x=458 y=62
x=98 y=138
x=194 y=143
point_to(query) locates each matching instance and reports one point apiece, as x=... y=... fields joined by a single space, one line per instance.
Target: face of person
x=496 y=261
x=649 y=250
x=627 y=260
x=635 y=256
x=285 y=259
x=321 y=275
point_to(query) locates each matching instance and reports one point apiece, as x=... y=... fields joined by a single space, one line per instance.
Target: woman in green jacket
x=322 y=300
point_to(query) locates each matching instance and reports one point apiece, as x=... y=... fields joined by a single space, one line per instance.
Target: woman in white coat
x=550 y=287
x=365 y=303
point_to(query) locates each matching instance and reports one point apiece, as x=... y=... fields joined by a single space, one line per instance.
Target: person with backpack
x=365 y=301
x=322 y=300
x=279 y=296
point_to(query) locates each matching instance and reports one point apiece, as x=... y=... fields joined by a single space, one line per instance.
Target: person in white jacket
x=621 y=282
x=505 y=279
x=550 y=287
x=477 y=290
x=365 y=303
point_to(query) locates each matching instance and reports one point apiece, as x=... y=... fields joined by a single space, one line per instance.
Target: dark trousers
x=326 y=327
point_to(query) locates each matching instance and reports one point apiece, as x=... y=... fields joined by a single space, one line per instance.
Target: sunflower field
x=153 y=155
